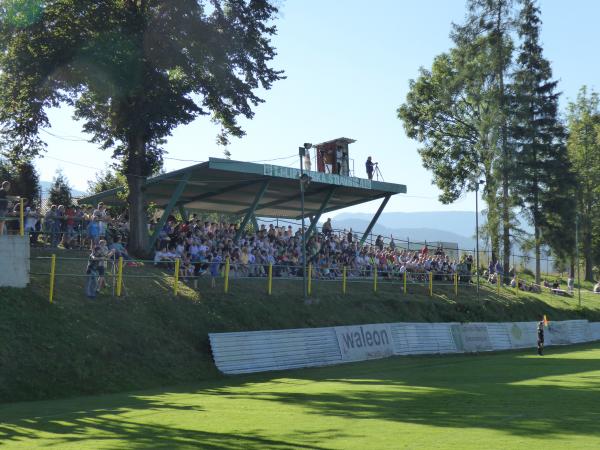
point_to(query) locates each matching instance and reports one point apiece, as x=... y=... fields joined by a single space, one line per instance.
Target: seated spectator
x=119 y=249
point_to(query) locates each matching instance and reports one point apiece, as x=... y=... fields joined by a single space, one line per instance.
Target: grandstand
x=251 y=190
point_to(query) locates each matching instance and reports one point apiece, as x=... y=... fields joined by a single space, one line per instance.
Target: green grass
x=507 y=400
x=151 y=338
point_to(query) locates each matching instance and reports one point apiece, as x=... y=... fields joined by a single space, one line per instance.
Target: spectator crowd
x=204 y=246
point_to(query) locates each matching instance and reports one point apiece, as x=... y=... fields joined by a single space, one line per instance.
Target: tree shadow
x=454 y=392
x=512 y=392
x=111 y=424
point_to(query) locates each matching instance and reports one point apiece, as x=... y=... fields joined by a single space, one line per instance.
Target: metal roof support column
x=169 y=208
x=374 y=220
x=251 y=211
x=315 y=219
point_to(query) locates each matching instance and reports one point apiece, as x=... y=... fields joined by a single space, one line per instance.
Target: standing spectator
x=215 y=264
x=31 y=224
x=93 y=231
x=92 y=272
x=369 y=166
x=570 y=284
x=4 y=198
x=101 y=216
x=327 y=228
x=49 y=219
x=60 y=226
x=379 y=243
x=103 y=254
x=307 y=163
x=69 y=218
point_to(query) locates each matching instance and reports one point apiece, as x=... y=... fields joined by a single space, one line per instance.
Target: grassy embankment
x=151 y=338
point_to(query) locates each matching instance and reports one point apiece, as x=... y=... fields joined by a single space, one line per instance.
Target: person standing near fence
x=3 y=204
x=92 y=272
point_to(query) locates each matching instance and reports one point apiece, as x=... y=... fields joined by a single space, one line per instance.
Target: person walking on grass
x=540 y=338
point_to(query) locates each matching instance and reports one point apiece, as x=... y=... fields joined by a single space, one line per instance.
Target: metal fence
x=222 y=275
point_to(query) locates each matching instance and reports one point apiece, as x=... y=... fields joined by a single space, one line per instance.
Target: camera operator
x=370 y=166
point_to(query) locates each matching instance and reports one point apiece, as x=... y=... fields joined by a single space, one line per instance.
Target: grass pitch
x=507 y=400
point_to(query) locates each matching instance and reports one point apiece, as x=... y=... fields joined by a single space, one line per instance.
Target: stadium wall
x=14 y=261
x=260 y=351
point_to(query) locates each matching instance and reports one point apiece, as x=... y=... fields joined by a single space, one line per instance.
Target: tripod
x=378 y=173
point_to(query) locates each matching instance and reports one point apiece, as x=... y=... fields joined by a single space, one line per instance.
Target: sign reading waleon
x=361 y=342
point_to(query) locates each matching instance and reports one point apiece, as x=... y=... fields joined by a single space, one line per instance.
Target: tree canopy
x=133 y=70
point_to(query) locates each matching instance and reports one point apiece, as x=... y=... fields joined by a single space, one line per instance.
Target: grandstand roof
x=235 y=187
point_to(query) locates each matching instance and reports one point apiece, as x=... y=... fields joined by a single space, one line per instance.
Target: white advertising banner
x=557 y=333
x=361 y=342
x=522 y=334
x=595 y=331
x=471 y=337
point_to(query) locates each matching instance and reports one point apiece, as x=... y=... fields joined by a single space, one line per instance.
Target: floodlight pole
x=302 y=152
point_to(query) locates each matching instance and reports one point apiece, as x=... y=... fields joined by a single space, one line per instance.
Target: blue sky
x=347 y=69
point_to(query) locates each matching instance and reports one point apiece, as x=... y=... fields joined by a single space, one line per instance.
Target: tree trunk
x=538 y=254
x=138 y=229
x=587 y=250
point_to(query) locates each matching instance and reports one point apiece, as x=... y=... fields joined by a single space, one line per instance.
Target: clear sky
x=348 y=64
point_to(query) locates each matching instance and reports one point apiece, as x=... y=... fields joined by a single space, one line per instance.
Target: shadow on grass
x=111 y=424
x=501 y=392
x=514 y=393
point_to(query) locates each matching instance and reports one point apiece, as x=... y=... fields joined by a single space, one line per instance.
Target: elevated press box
x=14 y=261
x=334 y=157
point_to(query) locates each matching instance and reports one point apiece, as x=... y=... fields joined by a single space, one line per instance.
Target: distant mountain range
x=431 y=227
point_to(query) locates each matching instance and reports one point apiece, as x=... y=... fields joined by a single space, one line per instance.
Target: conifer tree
x=60 y=192
x=542 y=179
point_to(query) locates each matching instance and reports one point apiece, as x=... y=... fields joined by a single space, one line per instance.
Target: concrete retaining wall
x=14 y=261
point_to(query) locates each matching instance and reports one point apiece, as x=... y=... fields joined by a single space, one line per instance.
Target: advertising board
x=360 y=342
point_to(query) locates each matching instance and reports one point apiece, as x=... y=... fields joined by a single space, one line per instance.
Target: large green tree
x=133 y=70
x=457 y=110
x=542 y=181
x=492 y=22
x=584 y=152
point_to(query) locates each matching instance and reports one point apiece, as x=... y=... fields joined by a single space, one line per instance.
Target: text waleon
x=362 y=338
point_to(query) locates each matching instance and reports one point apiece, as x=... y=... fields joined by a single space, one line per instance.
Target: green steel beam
x=375 y=217
x=315 y=219
x=293 y=197
x=168 y=209
x=346 y=205
x=224 y=190
x=250 y=213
